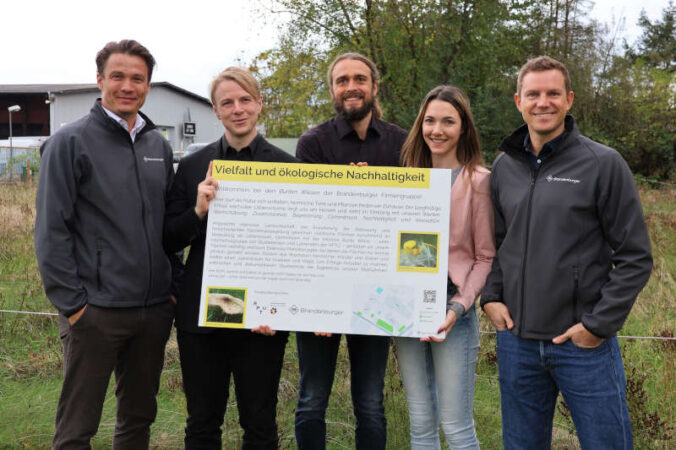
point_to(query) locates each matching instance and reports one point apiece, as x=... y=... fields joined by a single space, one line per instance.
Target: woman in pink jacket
x=438 y=374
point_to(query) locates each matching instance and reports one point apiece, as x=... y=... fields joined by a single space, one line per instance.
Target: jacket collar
x=100 y=115
x=513 y=144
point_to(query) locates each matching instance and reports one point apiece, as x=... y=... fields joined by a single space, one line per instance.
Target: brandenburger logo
x=147 y=159
x=551 y=178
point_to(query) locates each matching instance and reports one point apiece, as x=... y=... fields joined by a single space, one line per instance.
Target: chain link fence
x=19 y=163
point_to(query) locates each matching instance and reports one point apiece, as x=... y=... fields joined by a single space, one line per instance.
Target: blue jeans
x=317 y=361
x=439 y=383
x=592 y=382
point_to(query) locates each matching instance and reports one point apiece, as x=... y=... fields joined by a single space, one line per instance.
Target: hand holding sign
x=206 y=191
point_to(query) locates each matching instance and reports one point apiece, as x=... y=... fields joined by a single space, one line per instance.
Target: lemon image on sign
x=416 y=253
x=413 y=247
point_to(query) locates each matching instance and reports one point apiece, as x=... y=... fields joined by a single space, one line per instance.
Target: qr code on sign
x=429 y=296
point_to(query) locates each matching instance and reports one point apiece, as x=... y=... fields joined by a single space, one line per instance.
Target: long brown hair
x=416 y=153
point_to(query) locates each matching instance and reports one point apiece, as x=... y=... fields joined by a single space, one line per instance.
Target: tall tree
x=416 y=44
x=657 y=44
x=293 y=88
x=479 y=46
x=635 y=108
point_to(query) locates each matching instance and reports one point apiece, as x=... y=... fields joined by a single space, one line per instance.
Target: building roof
x=73 y=88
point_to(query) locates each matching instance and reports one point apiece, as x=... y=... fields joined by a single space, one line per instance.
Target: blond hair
x=240 y=76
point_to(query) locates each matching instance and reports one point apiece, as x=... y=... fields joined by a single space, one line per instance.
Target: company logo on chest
x=554 y=179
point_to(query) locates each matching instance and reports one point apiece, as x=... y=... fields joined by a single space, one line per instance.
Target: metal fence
x=19 y=163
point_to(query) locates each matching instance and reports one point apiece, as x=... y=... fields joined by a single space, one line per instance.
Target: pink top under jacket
x=471 y=241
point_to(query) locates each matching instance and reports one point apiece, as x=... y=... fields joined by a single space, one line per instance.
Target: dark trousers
x=128 y=341
x=317 y=359
x=255 y=362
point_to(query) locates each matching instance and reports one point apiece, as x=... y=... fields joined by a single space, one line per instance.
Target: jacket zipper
x=143 y=219
x=98 y=265
x=533 y=179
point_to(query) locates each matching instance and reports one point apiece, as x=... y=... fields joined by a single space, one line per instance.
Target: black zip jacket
x=572 y=243
x=100 y=213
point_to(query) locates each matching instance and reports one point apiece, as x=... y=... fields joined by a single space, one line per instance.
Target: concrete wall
x=286 y=144
x=69 y=107
x=169 y=109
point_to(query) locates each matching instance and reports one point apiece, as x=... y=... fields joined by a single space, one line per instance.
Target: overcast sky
x=48 y=41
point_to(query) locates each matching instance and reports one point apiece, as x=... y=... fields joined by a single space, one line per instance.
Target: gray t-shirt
x=454 y=174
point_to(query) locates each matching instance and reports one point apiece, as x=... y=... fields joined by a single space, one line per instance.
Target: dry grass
x=30 y=356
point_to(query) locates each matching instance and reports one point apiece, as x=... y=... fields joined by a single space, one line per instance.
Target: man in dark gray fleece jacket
x=98 y=239
x=573 y=253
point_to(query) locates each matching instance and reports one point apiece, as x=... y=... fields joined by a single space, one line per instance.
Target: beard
x=353 y=114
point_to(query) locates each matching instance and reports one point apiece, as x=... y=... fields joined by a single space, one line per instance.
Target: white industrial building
x=182 y=116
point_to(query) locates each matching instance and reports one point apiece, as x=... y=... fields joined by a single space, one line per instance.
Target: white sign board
x=340 y=249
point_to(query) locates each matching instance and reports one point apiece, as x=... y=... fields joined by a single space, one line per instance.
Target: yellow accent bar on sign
x=265 y=172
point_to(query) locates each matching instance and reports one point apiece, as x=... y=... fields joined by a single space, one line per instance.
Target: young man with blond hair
x=209 y=357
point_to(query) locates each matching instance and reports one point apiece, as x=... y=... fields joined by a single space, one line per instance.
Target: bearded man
x=356 y=135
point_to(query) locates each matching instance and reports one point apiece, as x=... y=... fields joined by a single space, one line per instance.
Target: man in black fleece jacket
x=573 y=253
x=98 y=239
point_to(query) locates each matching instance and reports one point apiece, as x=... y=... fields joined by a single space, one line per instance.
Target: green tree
x=635 y=104
x=292 y=87
x=416 y=44
x=657 y=46
x=479 y=46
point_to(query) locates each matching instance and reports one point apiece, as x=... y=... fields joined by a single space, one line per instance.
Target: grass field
x=30 y=357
